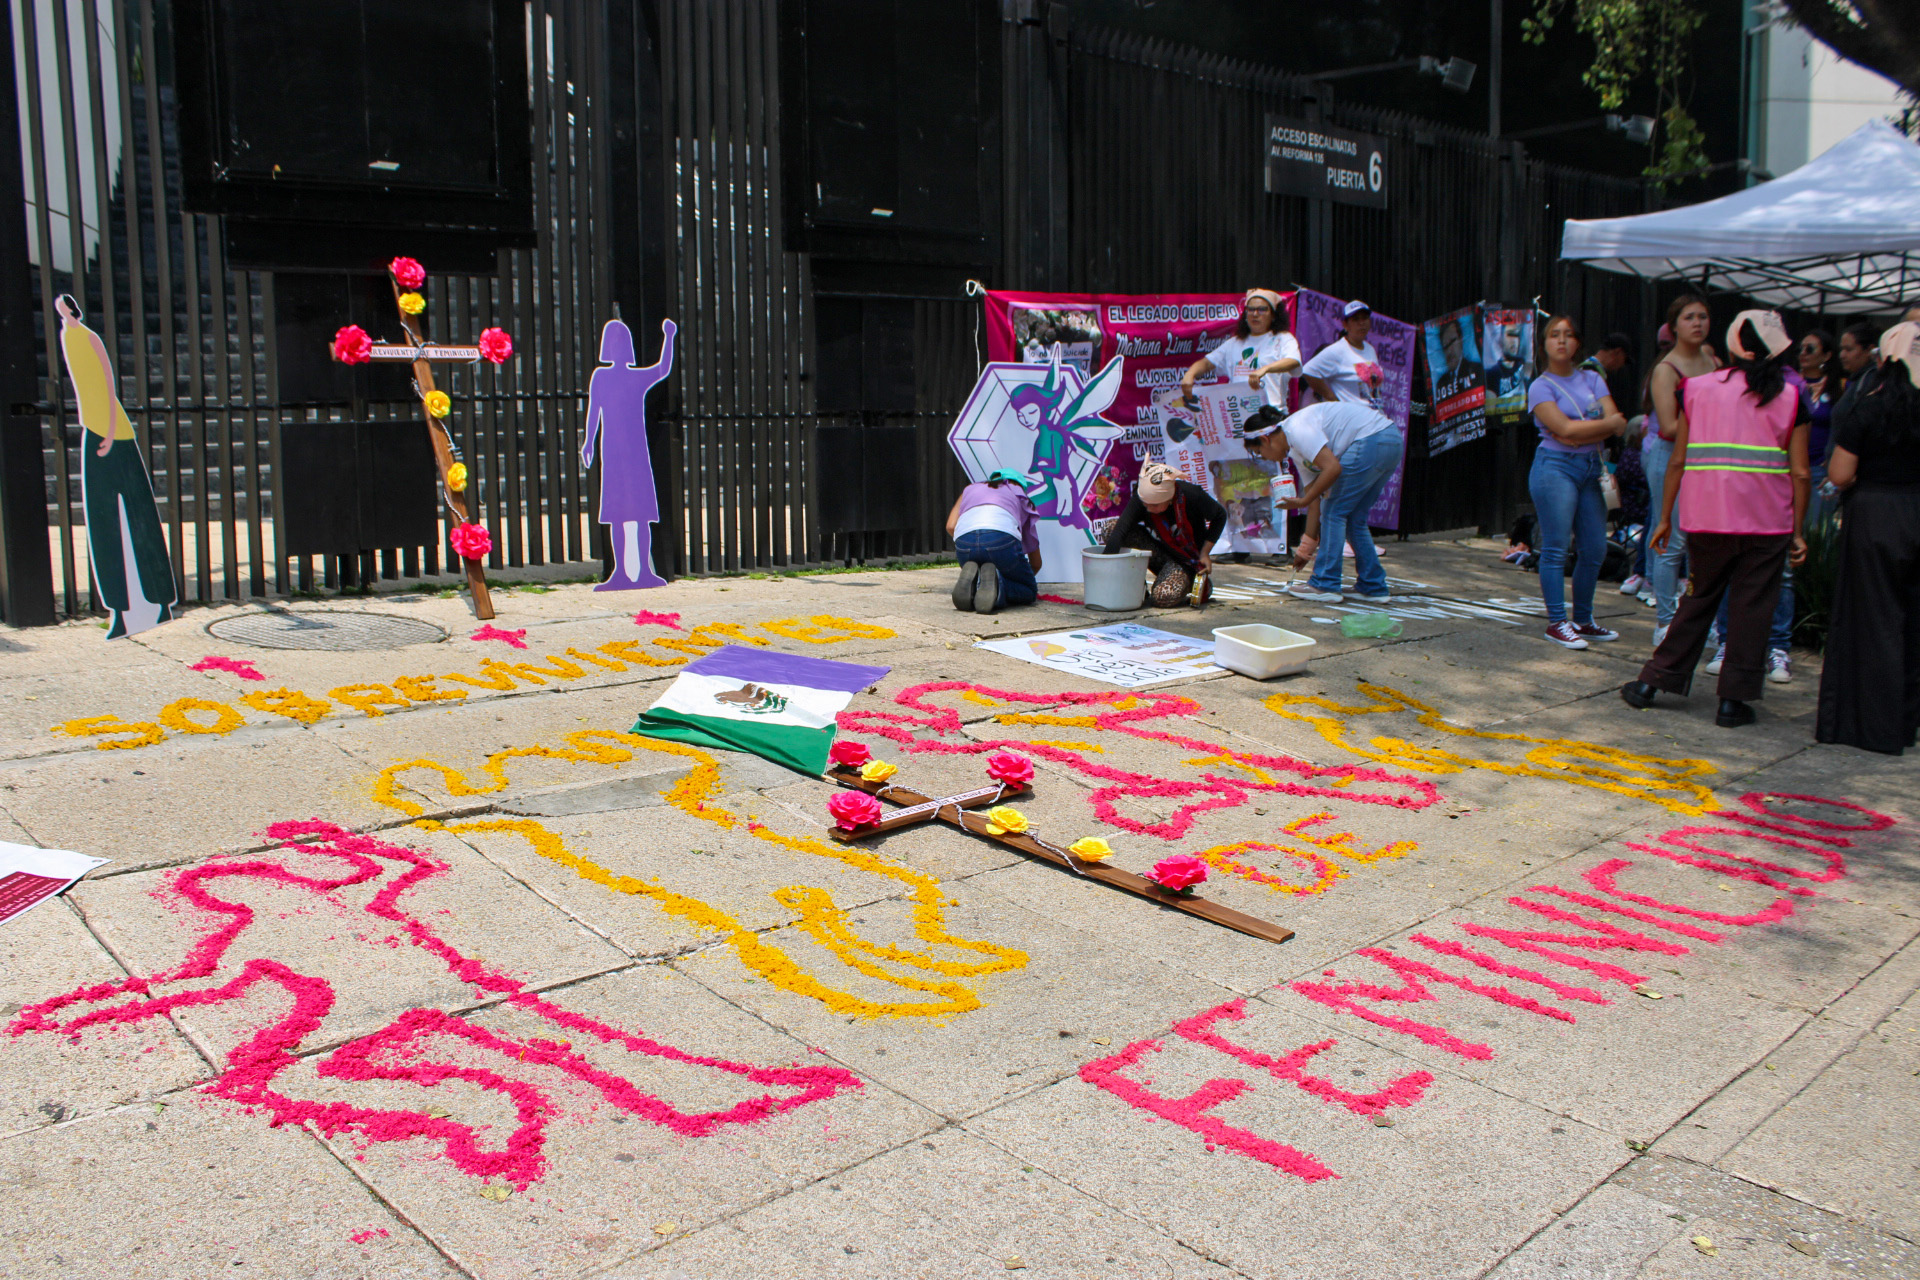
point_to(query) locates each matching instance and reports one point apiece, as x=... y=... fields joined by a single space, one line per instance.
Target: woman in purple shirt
x=1574 y=413
x=993 y=534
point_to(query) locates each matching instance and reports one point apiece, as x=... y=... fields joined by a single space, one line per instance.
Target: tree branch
x=1880 y=35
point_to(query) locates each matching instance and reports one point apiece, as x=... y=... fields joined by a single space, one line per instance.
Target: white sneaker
x=1648 y=599
x=1719 y=658
x=1304 y=591
x=1632 y=585
x=1383 y=598
x=1778 y=670
x=1659 y=634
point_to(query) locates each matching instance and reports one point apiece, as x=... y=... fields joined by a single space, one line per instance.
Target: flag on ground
x=777 y=705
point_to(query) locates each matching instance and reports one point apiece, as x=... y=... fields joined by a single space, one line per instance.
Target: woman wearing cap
x=1740 y=473
x=1870 y=687
x=1350 y=451
x=1259 y=348
x=993 y=534
x=1574 y=413
x=1177 y=522
x=1348 y=368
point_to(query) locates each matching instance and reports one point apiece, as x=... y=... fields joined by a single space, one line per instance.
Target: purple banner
x=1316 y=323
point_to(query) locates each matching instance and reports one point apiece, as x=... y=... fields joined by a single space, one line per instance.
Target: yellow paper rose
x=412 y=303
x=1003 y=821
x=438 y=403
x=878 y=770
x=1090 y=849
x=457 y=477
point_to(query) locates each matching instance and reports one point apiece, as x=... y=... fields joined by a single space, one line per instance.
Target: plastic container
x=1283 y=488
x=1369 y=626
x=1115 y=583
x=1261 y=651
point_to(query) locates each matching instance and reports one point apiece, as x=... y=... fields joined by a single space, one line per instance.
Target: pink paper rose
x=852 y=810
x=351 y=345
x=1015 y=771
x=495 y=345
x=1181 y=871
x=471 y=541
x=850 y=754
x=407 y=273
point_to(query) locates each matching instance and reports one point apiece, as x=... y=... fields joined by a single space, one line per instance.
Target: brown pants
x=1746 y=568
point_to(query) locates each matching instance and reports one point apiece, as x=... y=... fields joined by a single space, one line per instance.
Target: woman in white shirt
x=1348 y=368
x=1259 y=348
x=1350 y=451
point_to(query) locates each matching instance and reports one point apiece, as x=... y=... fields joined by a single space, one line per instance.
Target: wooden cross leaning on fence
x=953 y=810
x=351 y=346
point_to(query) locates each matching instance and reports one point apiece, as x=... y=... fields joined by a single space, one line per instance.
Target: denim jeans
x=1780 y=633
x=1365 y=468
x=1003 y=552
x=1663 y=567
x=1569 y=507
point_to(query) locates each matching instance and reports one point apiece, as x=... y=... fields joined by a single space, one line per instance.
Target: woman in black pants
x=1870 y=684
x=1179 y=523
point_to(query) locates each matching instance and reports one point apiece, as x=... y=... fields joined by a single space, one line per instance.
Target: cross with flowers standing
x=858 y=815
x=351 y=345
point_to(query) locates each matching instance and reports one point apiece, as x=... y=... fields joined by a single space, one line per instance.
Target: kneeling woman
x=1350 y=452
x=994 y=538
x=1176 y=521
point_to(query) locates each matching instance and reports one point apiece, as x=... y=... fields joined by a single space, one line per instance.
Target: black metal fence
x=1147 y=179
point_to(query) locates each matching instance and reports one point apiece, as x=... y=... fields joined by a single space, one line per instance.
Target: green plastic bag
x=1369 y=626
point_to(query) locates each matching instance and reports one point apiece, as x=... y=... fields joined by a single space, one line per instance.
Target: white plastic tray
x=1261 y=651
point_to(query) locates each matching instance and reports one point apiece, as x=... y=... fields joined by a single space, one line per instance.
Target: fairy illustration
x=1070 y=440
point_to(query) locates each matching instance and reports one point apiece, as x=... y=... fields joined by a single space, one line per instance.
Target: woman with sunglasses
x=1350 y=452
x=1259 y=349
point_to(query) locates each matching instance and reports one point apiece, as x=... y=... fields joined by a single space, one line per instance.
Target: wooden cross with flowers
x=857 y=815
x=351 y=345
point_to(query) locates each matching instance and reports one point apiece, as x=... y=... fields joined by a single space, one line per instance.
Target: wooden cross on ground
x=953 y=810
x=421 y=354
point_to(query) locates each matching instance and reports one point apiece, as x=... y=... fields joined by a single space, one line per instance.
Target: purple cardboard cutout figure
x=617 y=416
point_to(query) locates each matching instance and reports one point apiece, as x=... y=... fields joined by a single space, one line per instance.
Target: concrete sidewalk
x=409 y=963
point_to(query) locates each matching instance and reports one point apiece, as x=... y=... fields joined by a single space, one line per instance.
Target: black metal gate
x=657 y=149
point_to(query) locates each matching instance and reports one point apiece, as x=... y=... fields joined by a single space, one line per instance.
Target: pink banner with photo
x=1317 y=322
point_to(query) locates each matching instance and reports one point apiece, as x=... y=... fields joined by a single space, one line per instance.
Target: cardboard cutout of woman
x=131 y=568
x=617 y=416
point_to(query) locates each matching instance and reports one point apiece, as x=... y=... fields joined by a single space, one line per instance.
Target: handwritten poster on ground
x=1126 y=653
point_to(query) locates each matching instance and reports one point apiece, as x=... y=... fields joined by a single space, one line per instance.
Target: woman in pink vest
x=1740 y=469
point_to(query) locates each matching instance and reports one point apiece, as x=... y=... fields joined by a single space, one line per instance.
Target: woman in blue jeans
x=1574 y=413
x=992 y=527
x=1688 y=321
x=1349 y=451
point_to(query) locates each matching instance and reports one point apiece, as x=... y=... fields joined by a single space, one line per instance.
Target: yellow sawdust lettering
x=177 y=716
x=1659 y=780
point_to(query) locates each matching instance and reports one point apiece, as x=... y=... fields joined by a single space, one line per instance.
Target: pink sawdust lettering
x=516 y=639
x=1403 y=1092
x=232 y=666
x=405 y=1049
x=1605 y=878
x=1349 y=995
x=1191 y=1111
x=1128 y=712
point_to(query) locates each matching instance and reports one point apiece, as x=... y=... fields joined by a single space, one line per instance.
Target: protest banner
x=1317 y=322
x=1456 y=380
x=1506 y=355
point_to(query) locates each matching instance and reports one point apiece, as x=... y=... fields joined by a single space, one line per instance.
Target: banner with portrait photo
x=1456 y=380
x=1506 y=356
x=1317 y=322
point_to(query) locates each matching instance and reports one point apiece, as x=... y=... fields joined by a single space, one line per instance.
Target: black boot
x=1638 y=693
x=1734 y=714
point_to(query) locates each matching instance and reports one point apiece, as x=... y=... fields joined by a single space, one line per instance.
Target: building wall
x=1806 y=98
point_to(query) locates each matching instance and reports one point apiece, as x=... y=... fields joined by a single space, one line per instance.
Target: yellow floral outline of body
x=818 y=916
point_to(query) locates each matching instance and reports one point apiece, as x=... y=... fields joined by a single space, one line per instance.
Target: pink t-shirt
x=1737 y=478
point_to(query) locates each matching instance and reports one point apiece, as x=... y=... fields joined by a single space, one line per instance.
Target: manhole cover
x=341 y=632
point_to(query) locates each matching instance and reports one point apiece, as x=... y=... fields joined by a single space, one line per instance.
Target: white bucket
x=1116 y=582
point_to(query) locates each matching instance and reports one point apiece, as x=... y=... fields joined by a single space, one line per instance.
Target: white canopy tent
x=1840 y=233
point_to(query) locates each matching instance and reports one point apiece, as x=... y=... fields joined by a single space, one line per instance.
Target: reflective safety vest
x=1738 y=477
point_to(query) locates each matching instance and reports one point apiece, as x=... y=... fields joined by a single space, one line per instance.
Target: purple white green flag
x=777 y=705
